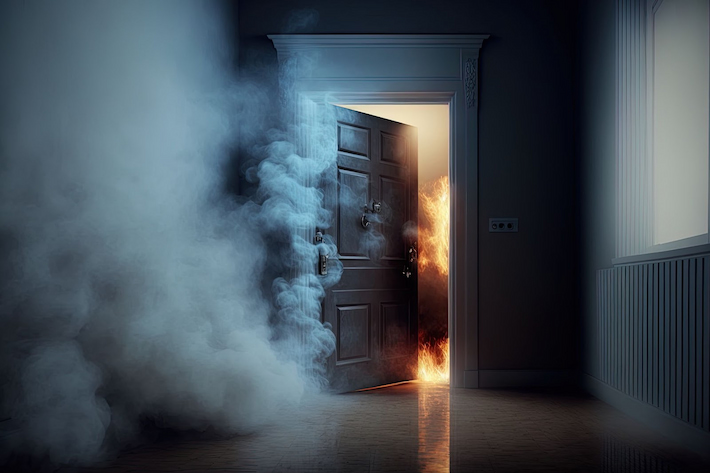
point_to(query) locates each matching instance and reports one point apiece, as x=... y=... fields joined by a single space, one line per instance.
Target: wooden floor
x=418 y=427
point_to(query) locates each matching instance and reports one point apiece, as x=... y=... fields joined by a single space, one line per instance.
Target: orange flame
x=434 y=255
x=434 y=241
x=434 y=362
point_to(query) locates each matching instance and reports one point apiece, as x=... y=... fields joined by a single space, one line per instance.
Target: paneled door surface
x=373 y=199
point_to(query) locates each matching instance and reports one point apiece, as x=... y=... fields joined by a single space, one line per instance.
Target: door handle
x=375 y=208
x=322 y=264
x=322 y=257
x=411 y=260
x=412 y=253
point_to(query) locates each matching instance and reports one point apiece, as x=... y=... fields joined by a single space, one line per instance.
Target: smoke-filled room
x=374 y=236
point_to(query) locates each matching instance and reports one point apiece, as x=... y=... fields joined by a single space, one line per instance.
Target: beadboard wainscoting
x=653 y=340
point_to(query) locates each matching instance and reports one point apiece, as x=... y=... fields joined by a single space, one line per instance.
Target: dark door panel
x=373 y=309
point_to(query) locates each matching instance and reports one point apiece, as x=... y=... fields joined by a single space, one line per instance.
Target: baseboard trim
x=525 y=378
x=470 y=379
x=673 y=428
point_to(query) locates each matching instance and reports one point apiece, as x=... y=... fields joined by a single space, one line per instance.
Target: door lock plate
x=322 y=264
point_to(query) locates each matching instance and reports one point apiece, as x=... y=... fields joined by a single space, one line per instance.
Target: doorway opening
x=432 y=123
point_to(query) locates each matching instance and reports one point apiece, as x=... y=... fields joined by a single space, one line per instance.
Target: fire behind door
x=373 y=309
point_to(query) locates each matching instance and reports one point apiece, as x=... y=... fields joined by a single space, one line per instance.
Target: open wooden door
x=373 y=199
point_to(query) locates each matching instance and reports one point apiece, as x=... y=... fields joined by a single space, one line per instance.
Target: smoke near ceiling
x=132 y=286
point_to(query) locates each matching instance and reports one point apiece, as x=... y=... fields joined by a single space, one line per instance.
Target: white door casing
x=414 y=69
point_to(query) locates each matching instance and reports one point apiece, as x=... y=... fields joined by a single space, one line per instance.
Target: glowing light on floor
x=434 y=437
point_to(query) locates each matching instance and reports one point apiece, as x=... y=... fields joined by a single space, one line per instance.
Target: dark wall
x=596 y=146
x=644 y=340
x=528 y=314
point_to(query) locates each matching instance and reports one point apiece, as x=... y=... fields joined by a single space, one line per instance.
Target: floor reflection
x=433 y=428
x=419 y=427
x=623 y=457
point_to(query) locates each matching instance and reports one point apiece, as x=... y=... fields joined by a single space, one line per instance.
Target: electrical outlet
x=502 y=225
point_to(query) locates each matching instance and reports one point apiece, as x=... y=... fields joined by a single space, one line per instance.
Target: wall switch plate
x=502 y=225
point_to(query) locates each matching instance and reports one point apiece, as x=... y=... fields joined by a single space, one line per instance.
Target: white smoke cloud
x=131 y=287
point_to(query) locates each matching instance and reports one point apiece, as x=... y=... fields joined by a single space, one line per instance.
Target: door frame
x=412 y=69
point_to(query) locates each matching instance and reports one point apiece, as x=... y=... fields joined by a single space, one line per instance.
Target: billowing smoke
x=132 y=286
